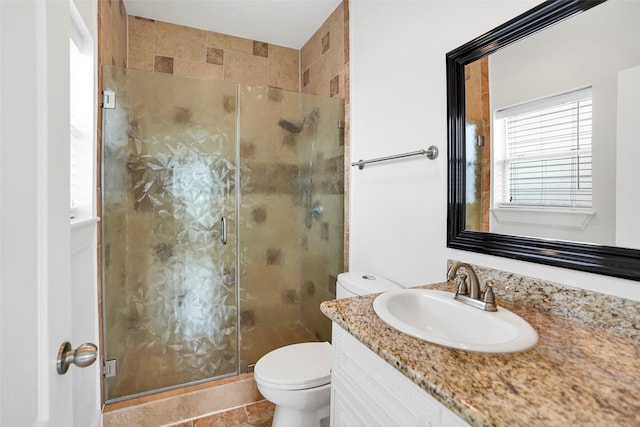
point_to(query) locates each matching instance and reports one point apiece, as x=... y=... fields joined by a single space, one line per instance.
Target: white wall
x=398 y=103
x=627 y=155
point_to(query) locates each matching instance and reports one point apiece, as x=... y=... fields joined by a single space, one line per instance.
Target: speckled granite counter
x=576 y=375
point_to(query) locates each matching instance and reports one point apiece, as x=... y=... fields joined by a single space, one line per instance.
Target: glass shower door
x=473 y=184
x=290 y=217
x=169 y=239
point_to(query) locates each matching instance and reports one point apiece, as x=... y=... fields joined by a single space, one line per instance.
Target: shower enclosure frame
x=319 y=219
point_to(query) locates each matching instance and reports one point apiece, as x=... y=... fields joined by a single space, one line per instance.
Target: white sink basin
x=434 y=316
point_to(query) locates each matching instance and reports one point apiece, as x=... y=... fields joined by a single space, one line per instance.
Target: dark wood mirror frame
x=606 y=260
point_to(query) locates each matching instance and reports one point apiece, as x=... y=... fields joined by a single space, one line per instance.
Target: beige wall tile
x=141 y=61
x=313 y=49
x=334 y=56
x=112 y=43
x=245 y=68
x=284 y=70
x=335 y=86
x=326 y=42
x=201 y=70
x=104 y=29
x=347 y=90
x=227 y=42
x=306 y=75
x=119 y=32
x=261 y=49
x=141 y=33
x=178 y=41
x=320 y=76
x=324 y=58
x=141 y=42
x=215 y=56
x=346 y=30
x=163 y=64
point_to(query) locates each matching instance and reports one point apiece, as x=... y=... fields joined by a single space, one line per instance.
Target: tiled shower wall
x=185 y=51
x=319 y=68
x=324 y=68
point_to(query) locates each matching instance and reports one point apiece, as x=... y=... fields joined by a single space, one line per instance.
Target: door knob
x=82 y=356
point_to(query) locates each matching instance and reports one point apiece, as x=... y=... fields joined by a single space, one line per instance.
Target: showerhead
x=296 y=128
x=290 y=127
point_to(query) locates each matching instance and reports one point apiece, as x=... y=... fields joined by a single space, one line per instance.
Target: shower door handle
x=223 y=230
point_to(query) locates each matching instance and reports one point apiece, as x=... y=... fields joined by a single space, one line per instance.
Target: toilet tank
x=352 y=284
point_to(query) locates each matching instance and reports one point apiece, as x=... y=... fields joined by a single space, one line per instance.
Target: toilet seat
x=295 y=367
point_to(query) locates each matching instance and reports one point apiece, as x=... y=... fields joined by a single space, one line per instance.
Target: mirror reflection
x=551 y=149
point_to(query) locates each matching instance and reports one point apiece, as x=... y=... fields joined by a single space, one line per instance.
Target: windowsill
x=78 y=223
x=569 y=220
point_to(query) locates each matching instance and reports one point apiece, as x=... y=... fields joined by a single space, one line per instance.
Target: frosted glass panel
x=291 y=216
x=169 y=281
x=474 y=175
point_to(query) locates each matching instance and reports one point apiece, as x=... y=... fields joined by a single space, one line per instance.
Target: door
x=37 y=305
x=168 y=231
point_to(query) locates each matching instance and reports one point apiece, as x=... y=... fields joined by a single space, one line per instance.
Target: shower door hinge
x=108 y=99
x=480 y=141
x=109 y=368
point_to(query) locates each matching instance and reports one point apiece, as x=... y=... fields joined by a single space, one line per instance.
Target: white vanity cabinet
x=367 y=392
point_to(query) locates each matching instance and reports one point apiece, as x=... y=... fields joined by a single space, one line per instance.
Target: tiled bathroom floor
x=259 y=414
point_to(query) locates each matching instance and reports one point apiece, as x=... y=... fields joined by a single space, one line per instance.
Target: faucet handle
x=463 y=289
x=488 y=297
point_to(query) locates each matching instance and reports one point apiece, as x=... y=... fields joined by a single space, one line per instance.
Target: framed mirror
x=593 y=228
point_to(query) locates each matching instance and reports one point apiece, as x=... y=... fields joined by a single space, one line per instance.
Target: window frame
x=82 y=119
x=502 y=185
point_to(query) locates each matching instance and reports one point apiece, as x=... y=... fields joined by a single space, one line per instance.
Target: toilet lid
x=366 y=283
x=296 y=366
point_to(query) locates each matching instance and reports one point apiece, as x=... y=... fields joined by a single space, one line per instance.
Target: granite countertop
x=576 y=375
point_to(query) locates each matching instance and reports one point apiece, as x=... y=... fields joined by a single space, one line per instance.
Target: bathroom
x=396 y=80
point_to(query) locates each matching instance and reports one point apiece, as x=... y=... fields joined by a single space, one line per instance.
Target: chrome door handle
x=83 y=356
x=223 y=230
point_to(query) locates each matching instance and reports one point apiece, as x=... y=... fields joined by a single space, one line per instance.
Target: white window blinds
x=546 y=154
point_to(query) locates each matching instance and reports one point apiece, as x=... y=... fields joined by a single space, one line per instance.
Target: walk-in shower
x=212 y=252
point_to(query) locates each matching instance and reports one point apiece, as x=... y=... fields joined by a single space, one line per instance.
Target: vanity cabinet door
x=366 y=391
x=449 y=419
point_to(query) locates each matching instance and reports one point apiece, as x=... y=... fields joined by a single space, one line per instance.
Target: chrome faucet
x=474 y=297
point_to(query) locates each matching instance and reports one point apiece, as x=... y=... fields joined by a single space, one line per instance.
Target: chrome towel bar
x=431 y=153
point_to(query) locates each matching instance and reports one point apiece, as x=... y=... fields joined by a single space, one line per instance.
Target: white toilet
x=297 y=377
